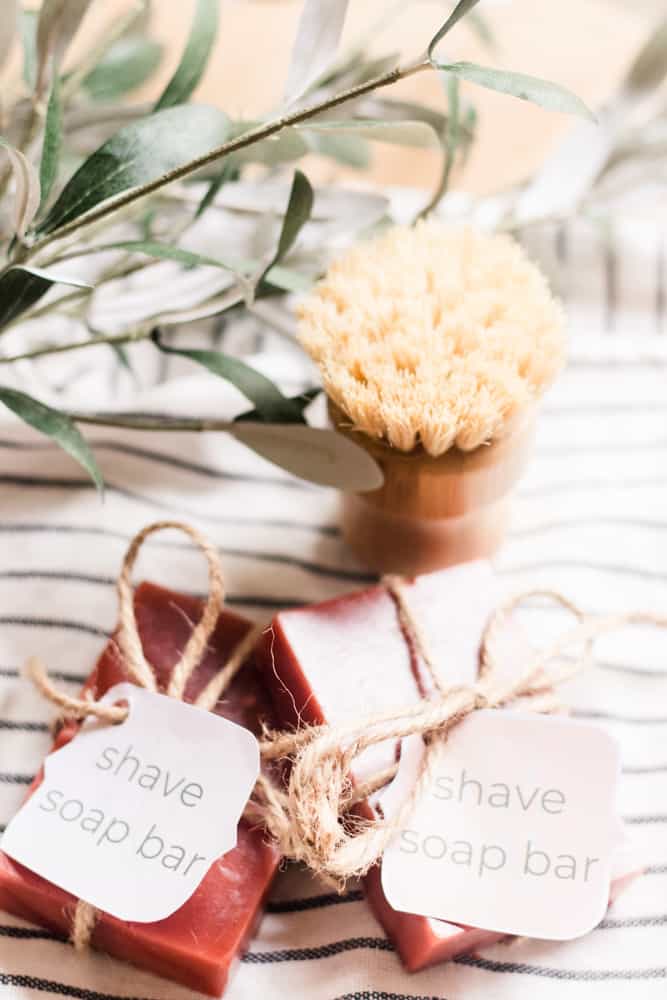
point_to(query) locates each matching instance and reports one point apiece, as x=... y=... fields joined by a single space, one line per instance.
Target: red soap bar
x=333 y=661
x=197 y=945
x=347 y=657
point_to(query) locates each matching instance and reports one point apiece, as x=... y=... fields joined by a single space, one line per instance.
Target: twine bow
x=140 y=671
x=311 y=816
x=312 y=821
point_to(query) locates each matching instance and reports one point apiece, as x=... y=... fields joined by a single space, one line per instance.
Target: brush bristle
x=434 y=336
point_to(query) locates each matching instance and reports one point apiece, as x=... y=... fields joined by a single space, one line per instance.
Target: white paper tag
x=515 y=830
x=130 y=817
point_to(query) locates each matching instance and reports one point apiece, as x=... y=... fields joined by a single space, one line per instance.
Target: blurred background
x=585 y=45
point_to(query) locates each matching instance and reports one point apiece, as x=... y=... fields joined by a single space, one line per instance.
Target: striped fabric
x=590 y=519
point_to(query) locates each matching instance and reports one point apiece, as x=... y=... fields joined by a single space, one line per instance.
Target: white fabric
x=590 y=519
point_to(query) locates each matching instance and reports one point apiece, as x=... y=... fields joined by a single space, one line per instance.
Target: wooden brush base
x=434 y=512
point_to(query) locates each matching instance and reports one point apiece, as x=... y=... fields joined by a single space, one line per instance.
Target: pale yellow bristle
x=433 y=335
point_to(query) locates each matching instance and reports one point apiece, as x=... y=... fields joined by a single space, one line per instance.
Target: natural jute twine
x=141 y=672
x=310 y=817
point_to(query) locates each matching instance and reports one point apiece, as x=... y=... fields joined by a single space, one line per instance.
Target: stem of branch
x=115 y=339
x=264 y=131
x=148 y=423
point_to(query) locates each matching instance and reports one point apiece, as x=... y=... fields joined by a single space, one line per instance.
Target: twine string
x=307 y=819
x=311 y=816
x=142 y=673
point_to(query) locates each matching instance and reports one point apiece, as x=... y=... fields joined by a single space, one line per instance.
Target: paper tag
x=515 y=830
x=130 y=817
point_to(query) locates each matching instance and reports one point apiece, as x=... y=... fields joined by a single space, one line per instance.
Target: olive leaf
x=650 y=65
x=26 y=188
x=299 y=210
x=28 y=31
x=55 y=425
x=128 y=63
x=318 y=34
x=528 y=88
x=58 y=22
x=138 y=154
x=22 y=286
x=53 y=132
x=348 y=149
x=195 y=56
x=400 y=133
x=284 y=147
x=269 y=402
x=462 y=8
x=8 y=26
x=321 y=456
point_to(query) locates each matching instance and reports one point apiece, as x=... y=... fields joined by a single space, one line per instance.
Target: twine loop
x=141 y=672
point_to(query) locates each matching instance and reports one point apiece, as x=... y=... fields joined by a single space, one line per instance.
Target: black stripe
x=16 y=779
x=583 y=975
x=29 y=933
x=351 y=576
x=42 y=482
x=237 y=600
x=26 y=727
x=631 y=720
x=209 y=471
x=383 y=995
x=313 y=902
x=657 y=818
x=586 y=522
x=647 y=769
x=600 y=406
x=61 y=989
x=322 y=951
x=570 y=486
x=30 y=622
x=57 y=675
x=646 y=574
x=611 y=923
x=259 y=555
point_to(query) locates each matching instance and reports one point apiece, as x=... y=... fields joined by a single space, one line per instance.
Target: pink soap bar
x=335 y=661
x=198 y=944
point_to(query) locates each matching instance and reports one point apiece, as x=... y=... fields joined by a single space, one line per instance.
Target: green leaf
x=165 y=252
x=227 y=173
x=320 y=456
x=137 y=154
x=53 y=131
x=127 y=64
x=303 y=401
x=58 y=23
x=320 y=27
x=22 y=287
x=195 y=57
x=299 y=209
x=28 y=29
x=269 y=402
x=406 y=133
x=55 y=425
x=8 y=29
x=348 y=149
x=462 y=8
x=285 y=147
x=26 y=188
x=650 y=65
x=526 y=88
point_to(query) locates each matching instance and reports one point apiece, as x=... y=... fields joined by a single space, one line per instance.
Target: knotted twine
x=310 y=817
x=140 y=671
